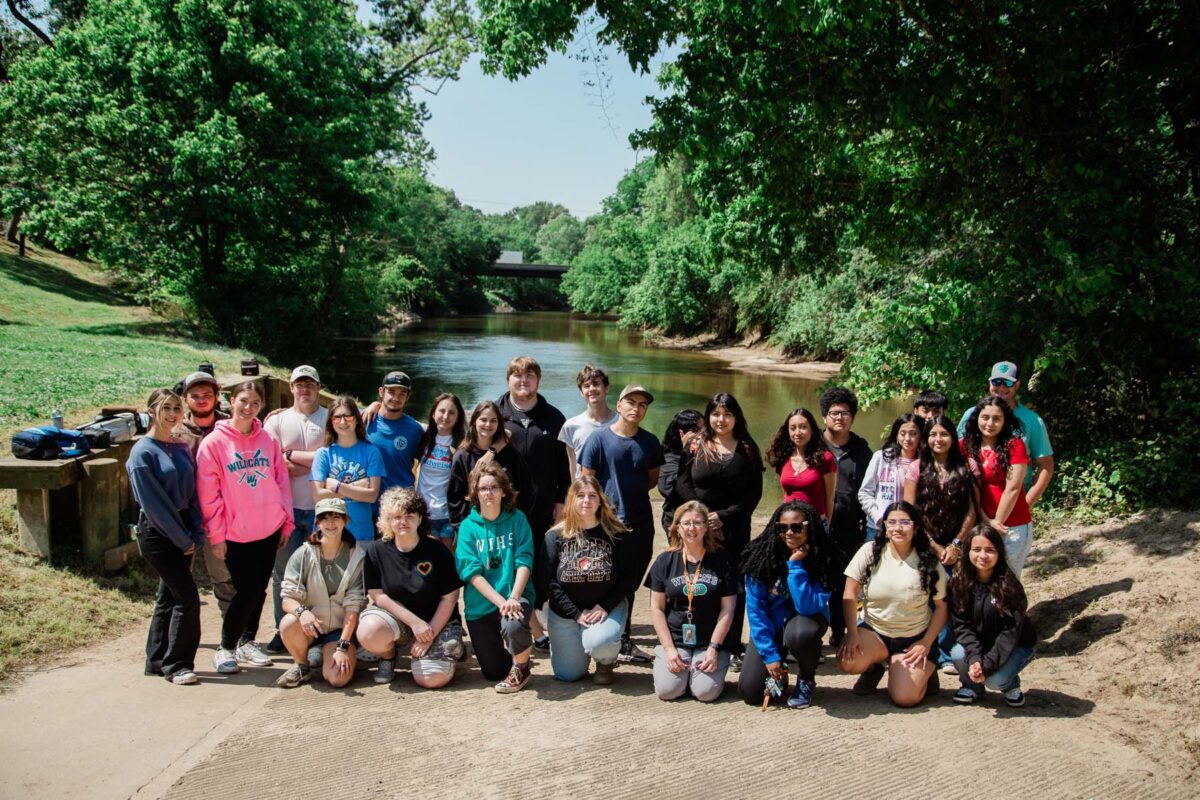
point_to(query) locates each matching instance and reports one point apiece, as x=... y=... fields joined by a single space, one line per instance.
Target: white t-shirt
x=894 y=604
x=434 y=476
x=296 y=431
x=576 y=431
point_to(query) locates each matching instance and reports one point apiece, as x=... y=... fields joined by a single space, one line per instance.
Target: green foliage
x=544 y=233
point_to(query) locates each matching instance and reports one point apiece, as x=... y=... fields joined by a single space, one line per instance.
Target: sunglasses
x=791 y=527
x=1003 y=382
x=343 y=416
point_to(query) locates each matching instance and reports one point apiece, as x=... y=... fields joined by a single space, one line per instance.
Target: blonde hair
x=572 y=524
x=406 y=501
x=712 y=539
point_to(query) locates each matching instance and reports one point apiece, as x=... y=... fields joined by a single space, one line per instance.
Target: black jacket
x=730 y=488
x=849 y=521
x=987 y=635
x=465 y=459
x=534 y=434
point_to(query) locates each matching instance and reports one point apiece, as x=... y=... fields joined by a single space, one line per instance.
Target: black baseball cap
x=397 y=378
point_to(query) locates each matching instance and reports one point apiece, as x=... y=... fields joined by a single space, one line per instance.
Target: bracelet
x=343 y=645
x=337 y=487
x=287 y=455
x=298 y=610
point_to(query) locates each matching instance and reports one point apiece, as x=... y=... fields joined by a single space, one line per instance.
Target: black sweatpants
x=174 y=633
x=496 y=640
x=801 y=638
x=643 y=544
x=250 y=565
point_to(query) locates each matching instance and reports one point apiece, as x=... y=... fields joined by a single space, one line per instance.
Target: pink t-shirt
x=807 y=485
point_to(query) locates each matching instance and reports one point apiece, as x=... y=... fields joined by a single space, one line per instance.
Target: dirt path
x=1091 y=728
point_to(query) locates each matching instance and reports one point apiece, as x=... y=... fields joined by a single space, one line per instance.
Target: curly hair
x=1005 y=587
x=405 y=501
x=973 y=437
x=765 y=558
x=927 y=561
x=944 y=504
x=482 y=470
x=838 y=394
x=780 y=448
x=712 y=539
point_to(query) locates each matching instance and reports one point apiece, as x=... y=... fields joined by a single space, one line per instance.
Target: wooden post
x=33 y=521
x=100 y=507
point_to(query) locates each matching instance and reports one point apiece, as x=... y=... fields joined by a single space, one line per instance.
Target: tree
x=560 y=240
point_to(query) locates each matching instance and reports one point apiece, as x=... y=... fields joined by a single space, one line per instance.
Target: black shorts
x=894 y=644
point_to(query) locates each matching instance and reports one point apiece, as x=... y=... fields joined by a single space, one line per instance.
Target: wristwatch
x=343 y=645
x=287 y=455
x=957 y=543
x=298 y=610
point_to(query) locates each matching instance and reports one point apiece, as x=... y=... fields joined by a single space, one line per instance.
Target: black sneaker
x=632 y=654
x=275 y=646
x=542 y=645
x=868 y=682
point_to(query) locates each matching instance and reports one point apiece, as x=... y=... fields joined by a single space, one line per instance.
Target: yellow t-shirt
x=894 y=603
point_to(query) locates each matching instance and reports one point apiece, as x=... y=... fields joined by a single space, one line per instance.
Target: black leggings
x=801 y=638
x=250 y=565
x=643 y=544
x=496 y=640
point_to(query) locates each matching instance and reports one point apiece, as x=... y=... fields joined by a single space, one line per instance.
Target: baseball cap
x=1004 y=369
x=200 y=377
x=397 y=378
x=330 y=505
x=304 y=371
x=636 y=388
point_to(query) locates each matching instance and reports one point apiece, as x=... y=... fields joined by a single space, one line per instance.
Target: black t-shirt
x=718 y=578
x=589 y=569
x=416 y=579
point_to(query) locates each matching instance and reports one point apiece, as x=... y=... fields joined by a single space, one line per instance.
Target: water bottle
x=56 y=418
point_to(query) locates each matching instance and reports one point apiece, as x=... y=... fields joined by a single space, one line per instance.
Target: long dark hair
x=891 y=446
x=780 y=448
x=765 y=557
x=927 y=561
x=1006 y=589
x=973 y=437
x=741 y=432
x=944 y=504
x=347 y=402
x=501 y=431
x=684 y=421
x=429 y=438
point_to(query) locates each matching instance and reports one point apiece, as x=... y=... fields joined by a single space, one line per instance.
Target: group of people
x=371 y=527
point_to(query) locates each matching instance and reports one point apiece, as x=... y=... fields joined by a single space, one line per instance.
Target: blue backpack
x=46 y=443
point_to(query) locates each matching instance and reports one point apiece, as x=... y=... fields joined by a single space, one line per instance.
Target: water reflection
x=468 y=356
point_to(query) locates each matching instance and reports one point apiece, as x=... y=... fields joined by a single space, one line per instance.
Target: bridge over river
x=511 y=264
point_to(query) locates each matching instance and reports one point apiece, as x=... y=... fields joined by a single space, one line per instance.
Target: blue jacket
x=770 y=608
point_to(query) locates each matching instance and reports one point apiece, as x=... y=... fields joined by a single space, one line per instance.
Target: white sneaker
x=249 y=653
x=185 y=678
x=365 y=656
x=225 y=662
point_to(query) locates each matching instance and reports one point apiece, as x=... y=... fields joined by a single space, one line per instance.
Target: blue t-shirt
x=349 y=464
x=397 y=440
x=622 y=465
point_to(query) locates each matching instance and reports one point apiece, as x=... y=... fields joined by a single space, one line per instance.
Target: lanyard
x=690 y=583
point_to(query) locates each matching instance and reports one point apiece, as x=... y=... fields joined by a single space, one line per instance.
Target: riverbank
x=753 y=356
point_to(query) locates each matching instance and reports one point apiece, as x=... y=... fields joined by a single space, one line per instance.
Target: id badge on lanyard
x=689 y=633
x=688 y=629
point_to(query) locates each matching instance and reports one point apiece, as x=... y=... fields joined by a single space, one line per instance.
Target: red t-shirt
x=992 y=482
x=809 y=484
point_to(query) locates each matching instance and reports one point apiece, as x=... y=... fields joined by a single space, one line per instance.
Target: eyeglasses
x=488 y=489
x=998 y=382
x=340 y=417
x=692 y=523
x=793 y=527
x=838 y=414
x=899 y=523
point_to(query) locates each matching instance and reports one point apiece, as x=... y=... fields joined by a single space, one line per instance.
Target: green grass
x=69 y=340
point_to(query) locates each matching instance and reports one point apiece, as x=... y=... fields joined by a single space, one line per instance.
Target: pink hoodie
x=243 y=485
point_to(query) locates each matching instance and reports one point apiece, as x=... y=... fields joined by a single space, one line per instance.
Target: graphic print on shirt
x=252 y=466
x=706 y=579
x=585 y=560
x=439 y=458
x=400 y=442
x=344 y=470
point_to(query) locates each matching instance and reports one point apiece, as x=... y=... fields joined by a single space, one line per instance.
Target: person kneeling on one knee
x=322 y=595
x=413 y=585
x=904 y=607
x=693 y=594
x=590 y=566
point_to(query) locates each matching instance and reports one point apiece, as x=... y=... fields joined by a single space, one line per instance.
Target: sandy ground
x=751 y=355
x=1111 y=713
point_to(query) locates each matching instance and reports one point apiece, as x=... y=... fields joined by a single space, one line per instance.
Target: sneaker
x=463 y=653
x=314 y=657
x=965 y=696
x=184 y=678
x=296 y=675
x=275 y=646
x=632 y=654
x=802 y=697
x=386 y=671
x=868 y=682
x=225 y=662
x=949 y=669
x=542 y=644
x=249 y=653
x=1014 y=697
x=735 y=663
x=365 y=656
x=603 y=676
x=455 y=649
x=516 y=679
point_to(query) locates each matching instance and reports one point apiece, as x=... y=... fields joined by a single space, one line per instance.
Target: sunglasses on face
x=1003 y=382
x=791 y=527
x=339 y=417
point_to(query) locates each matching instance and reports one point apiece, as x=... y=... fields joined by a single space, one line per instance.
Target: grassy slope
x=69 y=341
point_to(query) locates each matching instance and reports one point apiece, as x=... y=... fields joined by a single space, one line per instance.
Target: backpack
x=46 y=443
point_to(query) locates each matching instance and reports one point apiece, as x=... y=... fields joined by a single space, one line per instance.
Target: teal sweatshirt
x=494 y=550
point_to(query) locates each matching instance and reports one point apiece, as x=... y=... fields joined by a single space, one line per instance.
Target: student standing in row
x=998 y=457
x=593 y=385
x=806 y=468
x=930 y=403
x=445 y=430
x=486 y=439
x=349 y=467
x=625 y=459
x=162 y=477
x=246 y=498
x=395 y=433
x=883 y=483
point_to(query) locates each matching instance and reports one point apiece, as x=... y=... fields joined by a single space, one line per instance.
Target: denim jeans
x=441 y=528
x=1006 y=678
x=1016 y=546
x=303 y=518
x=572 y=644
x=945 y=640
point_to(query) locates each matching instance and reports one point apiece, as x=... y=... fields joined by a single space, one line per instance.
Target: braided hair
x=927 y=561
x=765 y=558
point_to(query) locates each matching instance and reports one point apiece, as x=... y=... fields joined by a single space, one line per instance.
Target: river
x=468 y=356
